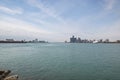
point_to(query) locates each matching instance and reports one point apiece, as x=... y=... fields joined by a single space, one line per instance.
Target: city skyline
x=54 y=20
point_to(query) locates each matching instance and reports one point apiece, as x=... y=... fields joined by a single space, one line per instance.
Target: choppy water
x=59 y=61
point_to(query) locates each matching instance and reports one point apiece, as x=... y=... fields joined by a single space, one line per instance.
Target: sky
x=58 y=20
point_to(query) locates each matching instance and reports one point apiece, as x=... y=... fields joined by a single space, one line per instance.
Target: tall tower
x=73 y=39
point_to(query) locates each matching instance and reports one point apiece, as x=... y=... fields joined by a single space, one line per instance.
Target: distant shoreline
x=7 y=42
x=97 y=43
x=12 y=42
x=23 y=42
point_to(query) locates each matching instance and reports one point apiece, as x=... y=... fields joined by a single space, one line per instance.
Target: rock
x=13 y=77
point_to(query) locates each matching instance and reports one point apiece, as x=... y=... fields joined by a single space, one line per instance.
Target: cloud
x=17 y=28
x=110 y=31
x=84 y=27
x=47 y=9
x=109 y=4
x=46 y=21
x=11 y=11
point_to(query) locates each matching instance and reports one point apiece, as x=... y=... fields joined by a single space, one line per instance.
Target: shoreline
x=12 y=42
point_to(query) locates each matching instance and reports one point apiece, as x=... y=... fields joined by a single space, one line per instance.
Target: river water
x=61 y=61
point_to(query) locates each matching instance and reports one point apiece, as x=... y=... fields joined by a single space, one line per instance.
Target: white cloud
x=49 y=10
x=11 y=11
x=109 y=4
x=83 y=27
x=47 y=23
x=110 y=31
x=17 y=28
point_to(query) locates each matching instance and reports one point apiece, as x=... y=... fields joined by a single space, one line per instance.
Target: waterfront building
x=35 y=41
x=118 y=41
x=79 y=40
x=100 y=41
x=73 y=39
x=9 y=39
x=106 y=41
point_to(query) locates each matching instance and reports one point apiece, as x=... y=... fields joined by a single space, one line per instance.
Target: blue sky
x=57 y=20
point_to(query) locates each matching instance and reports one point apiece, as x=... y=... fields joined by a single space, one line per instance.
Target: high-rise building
x=73 y=39
x=79 y=40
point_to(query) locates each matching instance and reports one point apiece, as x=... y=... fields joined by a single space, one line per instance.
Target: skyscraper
x=73 y=39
